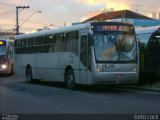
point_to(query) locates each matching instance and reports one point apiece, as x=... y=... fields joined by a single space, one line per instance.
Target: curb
x=141 y=88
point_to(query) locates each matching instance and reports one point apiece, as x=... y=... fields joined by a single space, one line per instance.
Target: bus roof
x=58 y=30
x=64 y=29
x=146 y=29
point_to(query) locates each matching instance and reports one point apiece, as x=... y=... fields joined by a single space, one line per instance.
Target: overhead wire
x=11 y=5
x=7 y=12
x=38 y=23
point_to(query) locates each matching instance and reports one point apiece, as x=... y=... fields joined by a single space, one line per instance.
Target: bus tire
x=29 y=76
x=70 y=79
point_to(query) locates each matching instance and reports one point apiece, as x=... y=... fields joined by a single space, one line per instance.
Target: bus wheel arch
x=69 y=78
x=29 y=74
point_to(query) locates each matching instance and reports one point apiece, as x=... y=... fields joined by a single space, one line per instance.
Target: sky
x=57 y=13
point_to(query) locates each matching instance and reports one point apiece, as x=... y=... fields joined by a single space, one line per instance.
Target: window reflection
x=115 y=47
x=2 y=50
x=105 y=47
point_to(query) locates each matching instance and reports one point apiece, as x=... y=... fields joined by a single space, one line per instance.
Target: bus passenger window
x=18 y=46
x=59 y=45
x=40 y=49
x=48 y=39
x=40 y=40
x=83 y=53
x=72 y=42
x=24 y=50
x=24 y=42
x=48 y=48
x=31 y=41
x=18 y=43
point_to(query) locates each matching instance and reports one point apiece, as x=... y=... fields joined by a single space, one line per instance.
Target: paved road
x=18 y=96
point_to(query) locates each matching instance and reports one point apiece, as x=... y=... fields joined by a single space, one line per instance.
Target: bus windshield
x=115 y=47
x=2 y=50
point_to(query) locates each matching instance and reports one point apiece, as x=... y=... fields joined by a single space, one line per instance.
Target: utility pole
x=17 y=23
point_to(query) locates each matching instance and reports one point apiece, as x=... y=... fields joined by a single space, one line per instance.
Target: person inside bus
x=127 y=47
x=110 y=51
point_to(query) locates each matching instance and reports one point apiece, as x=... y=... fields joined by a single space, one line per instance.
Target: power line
x=38 y=23
x=11 y=5
x=29 y=17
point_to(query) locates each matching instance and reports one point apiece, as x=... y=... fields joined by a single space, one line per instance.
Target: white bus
x=6 y=54
x=88 y=53
x=149 y=39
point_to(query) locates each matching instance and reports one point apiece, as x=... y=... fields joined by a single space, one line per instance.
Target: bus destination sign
x=114 y=28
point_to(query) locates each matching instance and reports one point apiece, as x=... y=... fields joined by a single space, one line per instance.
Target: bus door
x=84 y=58
x=153 y=53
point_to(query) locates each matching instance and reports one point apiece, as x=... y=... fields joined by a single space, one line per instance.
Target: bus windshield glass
x=115 y=47
x=2 y=50
x=157 y=36
x=2 y=47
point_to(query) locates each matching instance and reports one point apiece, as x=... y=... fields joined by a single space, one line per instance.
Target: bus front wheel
x=29 y=75
x=70 y=79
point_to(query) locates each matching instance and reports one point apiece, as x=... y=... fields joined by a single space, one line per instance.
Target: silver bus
x=149 y=39
x=88 y=53
x=6 y=53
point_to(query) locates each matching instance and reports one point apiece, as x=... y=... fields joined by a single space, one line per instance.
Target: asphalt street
x=19 y=97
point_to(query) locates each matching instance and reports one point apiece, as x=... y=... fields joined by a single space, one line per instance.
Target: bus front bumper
x=115 y=78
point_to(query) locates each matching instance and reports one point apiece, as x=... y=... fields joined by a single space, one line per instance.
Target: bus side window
x=48 y=43
x=83 y=53
x=72 y=42
x=59 y=45
x=40 y=42
x=24 y=48
x=18 y=46
x=31 y=44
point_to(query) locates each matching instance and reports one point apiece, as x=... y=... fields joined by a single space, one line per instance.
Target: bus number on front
x=112 y=66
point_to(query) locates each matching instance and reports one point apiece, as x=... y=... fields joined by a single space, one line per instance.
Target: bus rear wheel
x=29 y=75
x=70 y=79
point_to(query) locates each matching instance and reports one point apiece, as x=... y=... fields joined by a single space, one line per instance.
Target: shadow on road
x=5 y=75
x=84 y=88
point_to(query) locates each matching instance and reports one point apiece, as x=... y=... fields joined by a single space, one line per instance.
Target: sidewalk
x=154 y=87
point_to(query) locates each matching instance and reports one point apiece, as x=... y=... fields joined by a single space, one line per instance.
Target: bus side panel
x=21 y=62
x=18 y=69
x=51 y=66
x=44 y=66
x=66 y=60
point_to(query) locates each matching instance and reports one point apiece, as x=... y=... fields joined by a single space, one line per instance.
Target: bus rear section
x=115 y=54
x=6 y=65
x=149 y=42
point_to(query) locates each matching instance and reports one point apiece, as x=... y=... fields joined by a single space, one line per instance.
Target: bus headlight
x=134 y=70
x=4 y=66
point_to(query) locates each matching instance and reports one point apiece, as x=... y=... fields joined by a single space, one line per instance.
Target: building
x=125 y=16
x=9 y=35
